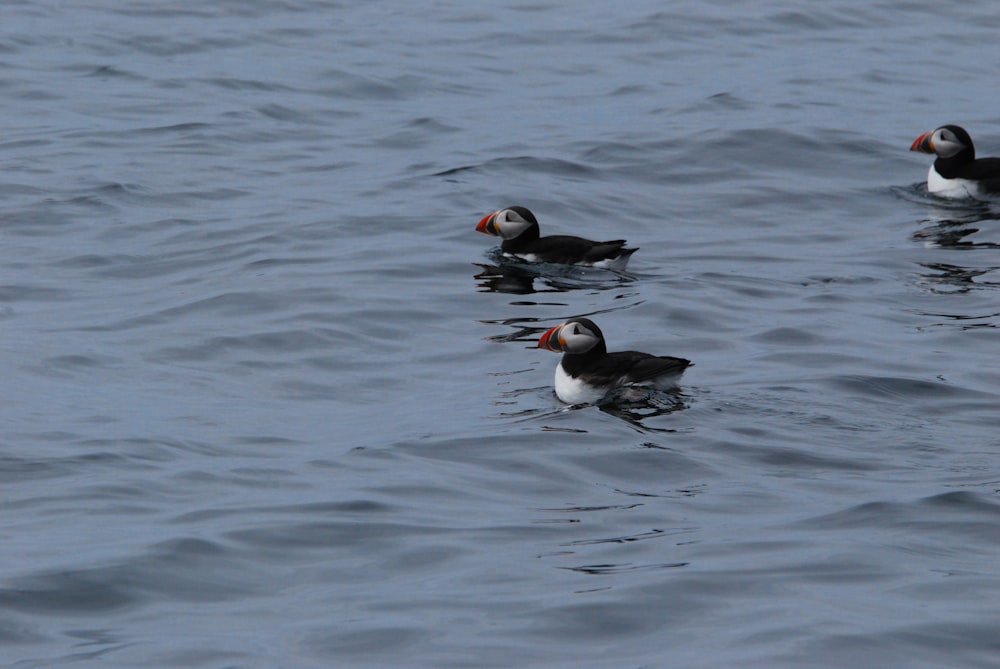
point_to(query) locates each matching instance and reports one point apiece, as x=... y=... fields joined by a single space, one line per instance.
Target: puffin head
x=577 y=335
x=507 y=223
x=946 y=141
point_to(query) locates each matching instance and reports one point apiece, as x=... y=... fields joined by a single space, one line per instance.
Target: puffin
x=518 y=228
x=587 y=373
x=957 y=173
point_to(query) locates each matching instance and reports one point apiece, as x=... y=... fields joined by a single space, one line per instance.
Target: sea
x=270 y=401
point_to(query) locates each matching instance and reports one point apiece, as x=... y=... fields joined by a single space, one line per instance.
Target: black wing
x=570 y=249
x=636 y=367
x=609 y=250
x=984 y=170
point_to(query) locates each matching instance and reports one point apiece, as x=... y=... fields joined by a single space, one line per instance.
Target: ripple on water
x=188 y=570
x=271 y=399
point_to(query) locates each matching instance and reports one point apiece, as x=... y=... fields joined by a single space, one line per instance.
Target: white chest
x=575 y=391
x=956 y=188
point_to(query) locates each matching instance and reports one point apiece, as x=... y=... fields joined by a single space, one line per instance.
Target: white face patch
x=509 y=223
x=576 y=338
x=945 y=143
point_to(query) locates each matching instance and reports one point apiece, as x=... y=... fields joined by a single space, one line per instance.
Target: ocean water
x=270 y=401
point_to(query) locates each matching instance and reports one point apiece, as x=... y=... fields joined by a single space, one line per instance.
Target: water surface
x=271 y=401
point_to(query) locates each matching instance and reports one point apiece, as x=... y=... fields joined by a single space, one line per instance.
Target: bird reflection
x=494 y=279
x=951 y=233
x=959 y=225
x=955 y=279
x=519 y=278
x=950 y=222
x=635 y=410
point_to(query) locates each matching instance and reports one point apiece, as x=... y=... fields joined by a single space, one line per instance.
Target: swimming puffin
x=587 y=373
x=521 y=239
x=957 y=173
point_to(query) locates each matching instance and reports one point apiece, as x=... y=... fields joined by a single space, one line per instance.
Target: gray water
x=270 y=400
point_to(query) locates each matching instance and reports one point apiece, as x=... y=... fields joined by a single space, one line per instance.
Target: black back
x=565 y=248
x=598 y=367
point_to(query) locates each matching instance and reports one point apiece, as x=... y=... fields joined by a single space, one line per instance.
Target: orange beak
x=550 y=339
x=484 y=225
x=923 y=144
